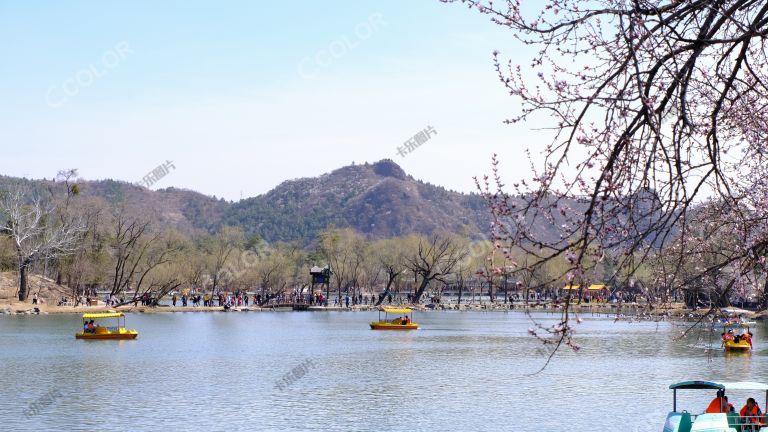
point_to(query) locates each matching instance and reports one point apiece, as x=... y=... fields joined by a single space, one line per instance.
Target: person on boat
x=747 y=337
x=719 y=404
x=90 y=327
x=728 y=336
x=751 y=414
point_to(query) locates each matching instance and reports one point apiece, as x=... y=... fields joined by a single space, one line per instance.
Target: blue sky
x=242 y=95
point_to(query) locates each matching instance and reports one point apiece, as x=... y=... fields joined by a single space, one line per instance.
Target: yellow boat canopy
x=396 y=310
x=593 y=287
x=103 y=315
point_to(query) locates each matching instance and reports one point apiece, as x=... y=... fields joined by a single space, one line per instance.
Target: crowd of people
x=206 y=300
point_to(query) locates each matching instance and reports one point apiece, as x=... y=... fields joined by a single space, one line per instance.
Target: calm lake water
x=463 y=371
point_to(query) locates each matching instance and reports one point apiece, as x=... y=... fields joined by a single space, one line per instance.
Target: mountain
x=377 y=199
x=181 y=209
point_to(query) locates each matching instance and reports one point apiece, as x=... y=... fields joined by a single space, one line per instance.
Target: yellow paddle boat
x=94 y=331
x=740 y=346
x=403 y=322
x=737 y=342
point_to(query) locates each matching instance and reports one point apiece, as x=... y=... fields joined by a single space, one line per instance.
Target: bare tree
x=158 y=272
x=89 y=266
x=435 y=259
x=129 y=243
x=372 y=271
x=143 y=261
x=276 y=270
x=390 y=255
x=40 y=228
x=221 y=247
x=340 y=249
x=195 y=269
x=654 y=105
x=356 y=268
x=462 y=275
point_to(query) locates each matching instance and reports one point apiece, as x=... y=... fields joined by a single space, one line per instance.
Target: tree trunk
x=461 y=286
x=506 y=297
x=386 y=290
x=420 y=291
x=23 y=291
x=267 y=298
x=215 y=284
x=490 y=290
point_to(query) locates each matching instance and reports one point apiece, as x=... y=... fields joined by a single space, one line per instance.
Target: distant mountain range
x=377 y=199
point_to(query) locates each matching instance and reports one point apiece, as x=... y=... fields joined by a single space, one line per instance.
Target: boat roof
x=714 y=385
x=103 y=315
x=396 y=310
x=593 y=287
x=733 y=310
x=737 y=325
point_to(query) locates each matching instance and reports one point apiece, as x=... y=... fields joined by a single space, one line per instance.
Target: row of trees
x=85 y=244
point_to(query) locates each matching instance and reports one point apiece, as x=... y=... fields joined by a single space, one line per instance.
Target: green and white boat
x=728 y=420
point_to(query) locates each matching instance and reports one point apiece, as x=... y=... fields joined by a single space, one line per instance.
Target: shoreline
x=667 y=311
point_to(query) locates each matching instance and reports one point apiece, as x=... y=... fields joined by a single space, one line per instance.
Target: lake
x=463 y=371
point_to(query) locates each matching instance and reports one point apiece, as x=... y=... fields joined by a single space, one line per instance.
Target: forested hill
x=182 y=209
x=379 y=199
